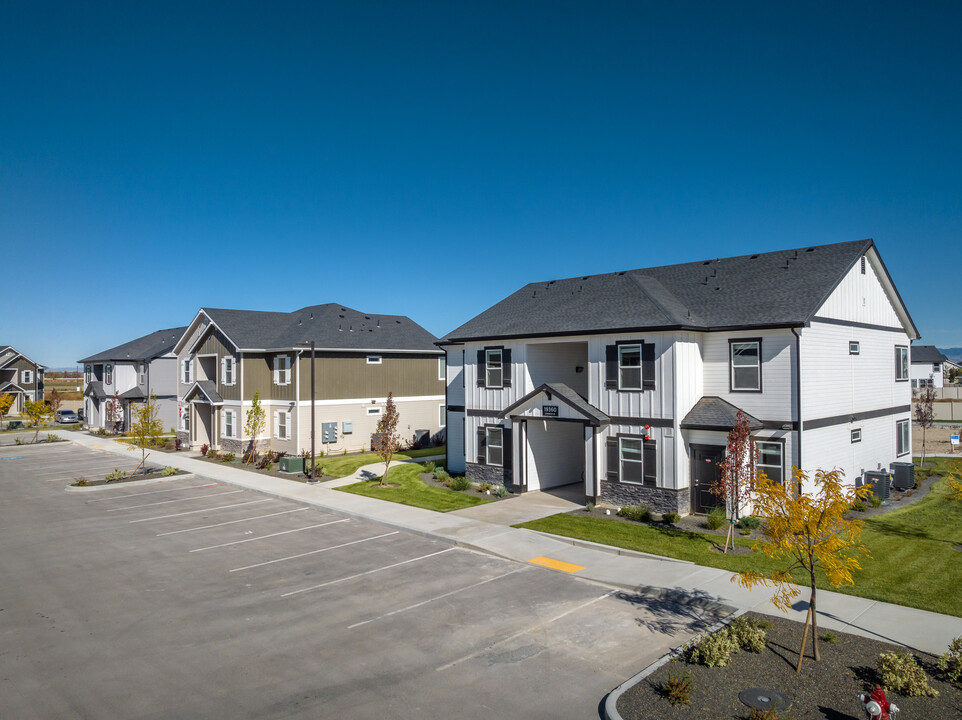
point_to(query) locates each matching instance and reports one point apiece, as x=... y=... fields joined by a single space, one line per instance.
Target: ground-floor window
x=494 y=446
x=442 y=418
x=770 y=460
x=281 y=426
x=185 y=418
x=229 y=423
x=631 y=456
x=902 y=437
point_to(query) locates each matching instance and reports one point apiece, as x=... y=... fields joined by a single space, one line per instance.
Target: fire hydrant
x=876 y=706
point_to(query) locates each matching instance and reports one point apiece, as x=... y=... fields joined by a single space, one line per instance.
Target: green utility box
x=292 y=464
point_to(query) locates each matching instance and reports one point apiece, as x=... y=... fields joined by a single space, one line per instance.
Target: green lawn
x=338 y=466
x=913 y=561
x=413 y=491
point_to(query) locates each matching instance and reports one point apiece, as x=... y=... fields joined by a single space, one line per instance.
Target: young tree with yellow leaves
x=36 y=411
x=6 y=402
x=809 y=532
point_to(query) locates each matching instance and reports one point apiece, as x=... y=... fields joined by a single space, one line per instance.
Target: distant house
x=132 y=372
x=928 y=366
x=226 y=356
x=21 y=377
x=627 y=383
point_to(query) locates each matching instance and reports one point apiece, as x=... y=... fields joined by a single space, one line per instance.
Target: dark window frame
x=731 y=364
x=108 y=374
x=899 y=450
x=855 y=435
x=898 y=363
x=857 y=347
x=774 y=441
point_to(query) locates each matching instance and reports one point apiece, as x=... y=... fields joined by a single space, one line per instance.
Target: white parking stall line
x=194 y=512
x=436 y=598
x=168 y=502
x=313 y=552
x=264 y=537
x=154 y=492
x=369 y=572
x=229 y=522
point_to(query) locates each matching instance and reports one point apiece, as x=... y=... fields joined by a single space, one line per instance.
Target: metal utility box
x=879 y=480
x=328 y=432
x=903 y=475
x=292 y=464
x=347 y=427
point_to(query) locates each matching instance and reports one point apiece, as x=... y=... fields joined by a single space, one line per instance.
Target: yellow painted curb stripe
x=555 y=564
x=96 y=447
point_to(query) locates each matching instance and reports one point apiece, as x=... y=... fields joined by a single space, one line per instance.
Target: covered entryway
x=204 y=401
x=555 y=454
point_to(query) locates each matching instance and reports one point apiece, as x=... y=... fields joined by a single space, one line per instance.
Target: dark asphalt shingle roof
x=95 y=389
x=927 y=354
x=713 y=413
x=329 y=326
x=783 y=288
x=565 y=393
x=8 y=353
x=135 y=393
x=142 y=349
x=208 y=388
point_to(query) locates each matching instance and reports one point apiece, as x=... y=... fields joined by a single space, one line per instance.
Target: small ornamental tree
x=55 y=399
x=145 y=429
x=808 y=533
x=254 y=423
x=736 y=481
x=924 y=413
x=6 y=402
x=115 y=412
x=386 y=440
x=36 y=412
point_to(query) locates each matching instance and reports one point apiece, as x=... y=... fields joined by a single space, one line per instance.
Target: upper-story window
x=108 y=374
x=26 y=376
x=141 y=369
x=185 y=372
x=901 y=363
x=373 y=359
x=629 y=367
x=88 y=371
x=493 y=368
x=746 y=365
x=854 y=348
x=282 y=370
x=227 y=371
x=442 y=364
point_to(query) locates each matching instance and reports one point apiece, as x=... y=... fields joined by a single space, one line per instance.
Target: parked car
x=67 y=416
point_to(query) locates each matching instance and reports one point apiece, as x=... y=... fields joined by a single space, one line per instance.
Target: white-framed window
x=770 y=460
x=282 y=427
x=902 y=444
x=494 y=445
x=185 y=371
x=442 y=416
x=631 y=460
x=442 y=368
x=88 y=372
x=141 y=370
x=493 y=369
x=108 y=374
x=746 y=365
x=374 y=410
x=227 y=370
x=282 y=370
x=853 y=347
x=629 y=367
x=901 y=363
x=373 y=359
x=856 y=435
x=26 y=376
x=230 y=423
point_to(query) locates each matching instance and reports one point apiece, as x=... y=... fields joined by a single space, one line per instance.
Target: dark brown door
x=704 y=473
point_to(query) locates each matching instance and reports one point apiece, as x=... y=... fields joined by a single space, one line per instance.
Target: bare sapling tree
x=55 y=399
x=254 y=424
x=386 y=439
x=736 y=481
x=924 y=402
x=115 y=413
x=145 y=429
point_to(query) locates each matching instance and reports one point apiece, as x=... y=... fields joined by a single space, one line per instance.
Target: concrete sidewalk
x=634 y=572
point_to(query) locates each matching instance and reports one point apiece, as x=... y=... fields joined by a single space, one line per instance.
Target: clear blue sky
x=428 y=159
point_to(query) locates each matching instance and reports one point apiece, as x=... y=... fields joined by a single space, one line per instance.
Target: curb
x=610 y=549
x=611 y=699
x=113 y=486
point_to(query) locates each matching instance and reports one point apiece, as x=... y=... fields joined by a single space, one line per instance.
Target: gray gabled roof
x=143 y=349
x=927 y=354
x=775 y=289
x=208 y=388
x=329 y=326
x=713 y=413
x=95 y=389
x=566 y=395
x=12 y=354
x=135 y=393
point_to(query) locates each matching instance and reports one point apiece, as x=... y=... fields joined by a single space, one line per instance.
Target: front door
x=705 y=473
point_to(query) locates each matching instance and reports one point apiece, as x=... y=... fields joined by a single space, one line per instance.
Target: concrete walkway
x=636 y=572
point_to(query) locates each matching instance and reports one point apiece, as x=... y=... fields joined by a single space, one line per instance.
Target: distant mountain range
x=953 y=354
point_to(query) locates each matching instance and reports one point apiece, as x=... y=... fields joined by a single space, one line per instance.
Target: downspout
x=798 y=398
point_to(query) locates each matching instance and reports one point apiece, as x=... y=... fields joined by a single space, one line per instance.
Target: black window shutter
x=506 y=449
x=506 y=368
x=611 y=451
x=611 y=367
x=481 y=445
x=648 y=366
x=650 y=463
x=482 y=366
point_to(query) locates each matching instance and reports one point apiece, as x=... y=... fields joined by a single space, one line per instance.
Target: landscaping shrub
x=876 y=501
x=441 y=475
x=484 y=487
x=747 y=634
x=638 y=513
x=766 y=714
x=213 y=454
x=901 y=673
x=677 y=688
x=168 y=471
x=102 y=432
x=80 y=482
x=204 y=448
x=920 y=474
x=830 y=637
x=749 y=523
x=712 y=650
x=171 y=445
x=715 y=518
x=51 y=437
x=177 y=444
x=951 y=662
x=227 y=457
x=460 y=483
x=19 y=441
x=858 y=506
x=117 y=474
x=429 y=466
x=670 y=517
x=500 y=491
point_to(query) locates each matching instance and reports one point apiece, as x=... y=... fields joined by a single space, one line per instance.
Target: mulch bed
x=429 y=479
x=151 y=474
x=824 y=690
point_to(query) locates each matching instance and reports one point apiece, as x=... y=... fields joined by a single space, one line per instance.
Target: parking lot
x=190 y=598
